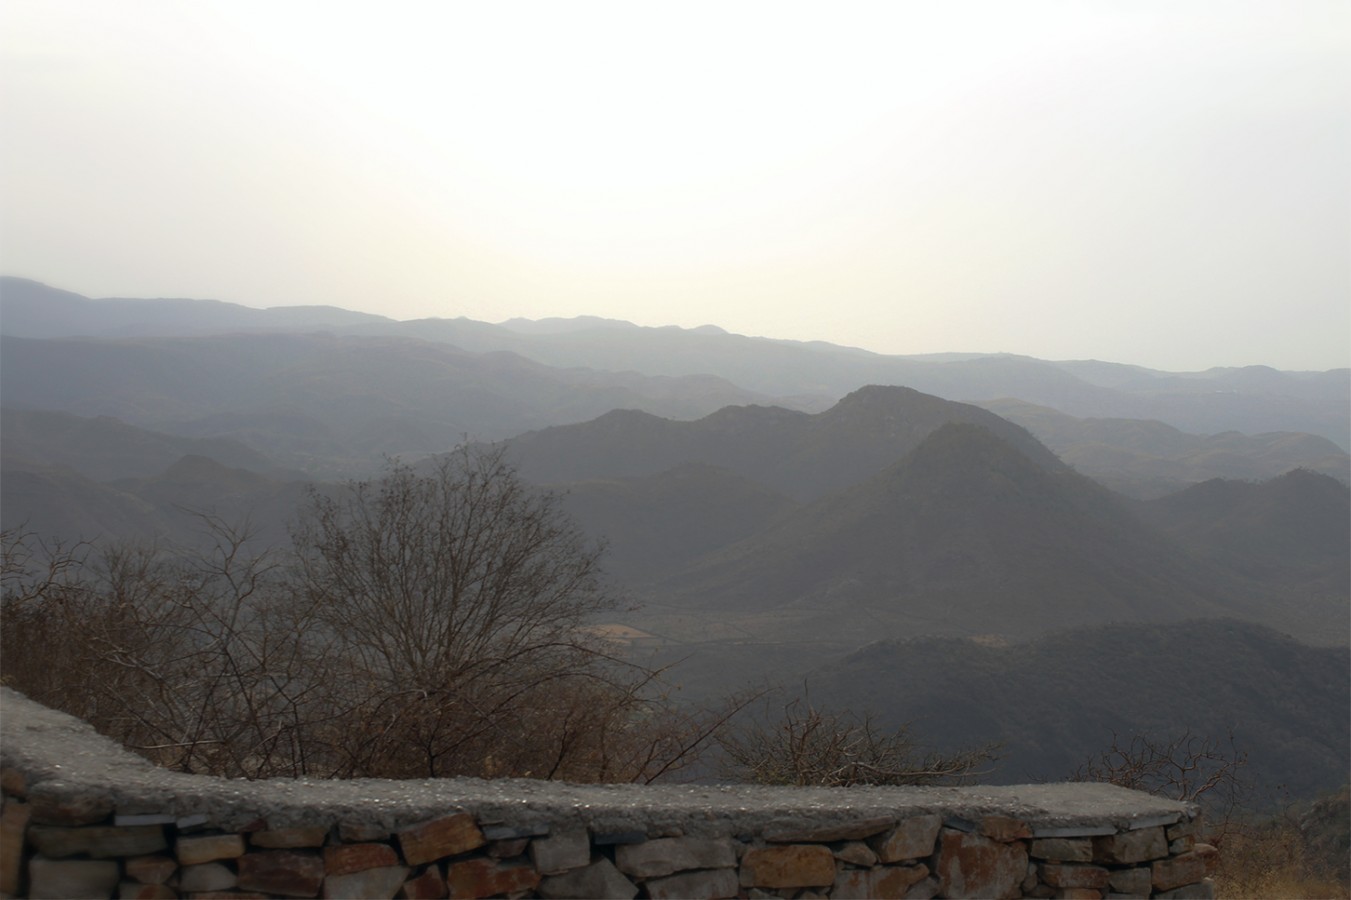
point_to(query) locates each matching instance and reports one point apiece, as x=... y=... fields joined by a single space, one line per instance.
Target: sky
x=1159 y=183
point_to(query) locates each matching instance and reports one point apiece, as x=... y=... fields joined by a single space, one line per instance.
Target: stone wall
x=85 y=818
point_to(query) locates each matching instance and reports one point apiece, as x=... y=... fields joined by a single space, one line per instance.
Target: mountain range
x=967 y=530
x=774 y=510
x=800 y=375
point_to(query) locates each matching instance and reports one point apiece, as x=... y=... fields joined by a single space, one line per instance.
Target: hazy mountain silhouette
x=964 y=535
x=801 y=455
x=58 y=502
x=1149 y=458
x=326 y=404
x=1291 y=534
x=34 y=310
x=104 y=448
x=810 y=375
x=1056 y=701
x=657 y=523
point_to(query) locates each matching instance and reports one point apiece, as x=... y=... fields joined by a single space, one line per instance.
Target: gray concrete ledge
x=63 y=759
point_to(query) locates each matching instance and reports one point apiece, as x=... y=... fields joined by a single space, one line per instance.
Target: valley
x=994 y=549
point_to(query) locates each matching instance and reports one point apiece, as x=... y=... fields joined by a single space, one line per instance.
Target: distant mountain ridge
x=1149 y=459
x=965 y=534
x=1295 y=529
x=807 y=375
x=798 y=454
x=328 y=404
x=106 y=449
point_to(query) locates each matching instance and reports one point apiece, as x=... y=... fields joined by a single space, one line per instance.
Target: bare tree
x=1197 y=769
x=193 y=661
x=809 y=746
x=460 y=601
x=1186 y=767
x=421 y=625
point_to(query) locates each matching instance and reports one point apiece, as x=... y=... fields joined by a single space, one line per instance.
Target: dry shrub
x=422 y=625
x=808 y=746
x=1290 y=855
x=1286 y=857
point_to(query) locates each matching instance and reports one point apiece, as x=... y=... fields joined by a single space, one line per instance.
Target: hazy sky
x=1159 y=183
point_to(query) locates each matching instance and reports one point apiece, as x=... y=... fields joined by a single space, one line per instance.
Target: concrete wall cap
x=61 y=755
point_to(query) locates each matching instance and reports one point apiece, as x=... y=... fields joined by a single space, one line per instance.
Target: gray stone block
x=61 y=879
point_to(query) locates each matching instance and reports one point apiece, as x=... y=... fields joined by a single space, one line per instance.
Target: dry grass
x=1288 y=858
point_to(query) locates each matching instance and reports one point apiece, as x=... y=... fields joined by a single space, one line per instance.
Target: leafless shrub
x=809 y=746
x=1186 y=767
x=422 y=625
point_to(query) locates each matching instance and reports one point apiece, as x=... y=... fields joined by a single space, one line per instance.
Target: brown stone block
x=487 y=877
x=427 y=886
x=359 y=832
x=924 y=890
x=150 y=869
x=290 y=873
x=1062 y=849
x=446 y=836
x=882 y=882
x=1135 y=882
x=788 y=866
x=196 y=849
x=344 y=859
x=1078 y=894
x=1131 y=846
x=290 y=838
x=972 y=865
x=1189 y=868
x=912 y=838
x=13 y=821
x=1004 y=828
x=1073 y=876
x=1210 y=855
x=855 y=853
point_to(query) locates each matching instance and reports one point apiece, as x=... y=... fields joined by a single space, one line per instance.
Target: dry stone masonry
x=85 y=818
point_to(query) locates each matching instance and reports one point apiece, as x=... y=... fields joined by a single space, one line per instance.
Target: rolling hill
x=1056 y=701
x=801 y=455
x=1290 y=534
x=964 y=535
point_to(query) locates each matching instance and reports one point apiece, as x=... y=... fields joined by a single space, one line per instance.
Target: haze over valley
x=777 y=534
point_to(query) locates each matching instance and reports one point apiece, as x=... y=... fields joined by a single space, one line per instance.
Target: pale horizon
x=1162 y=185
